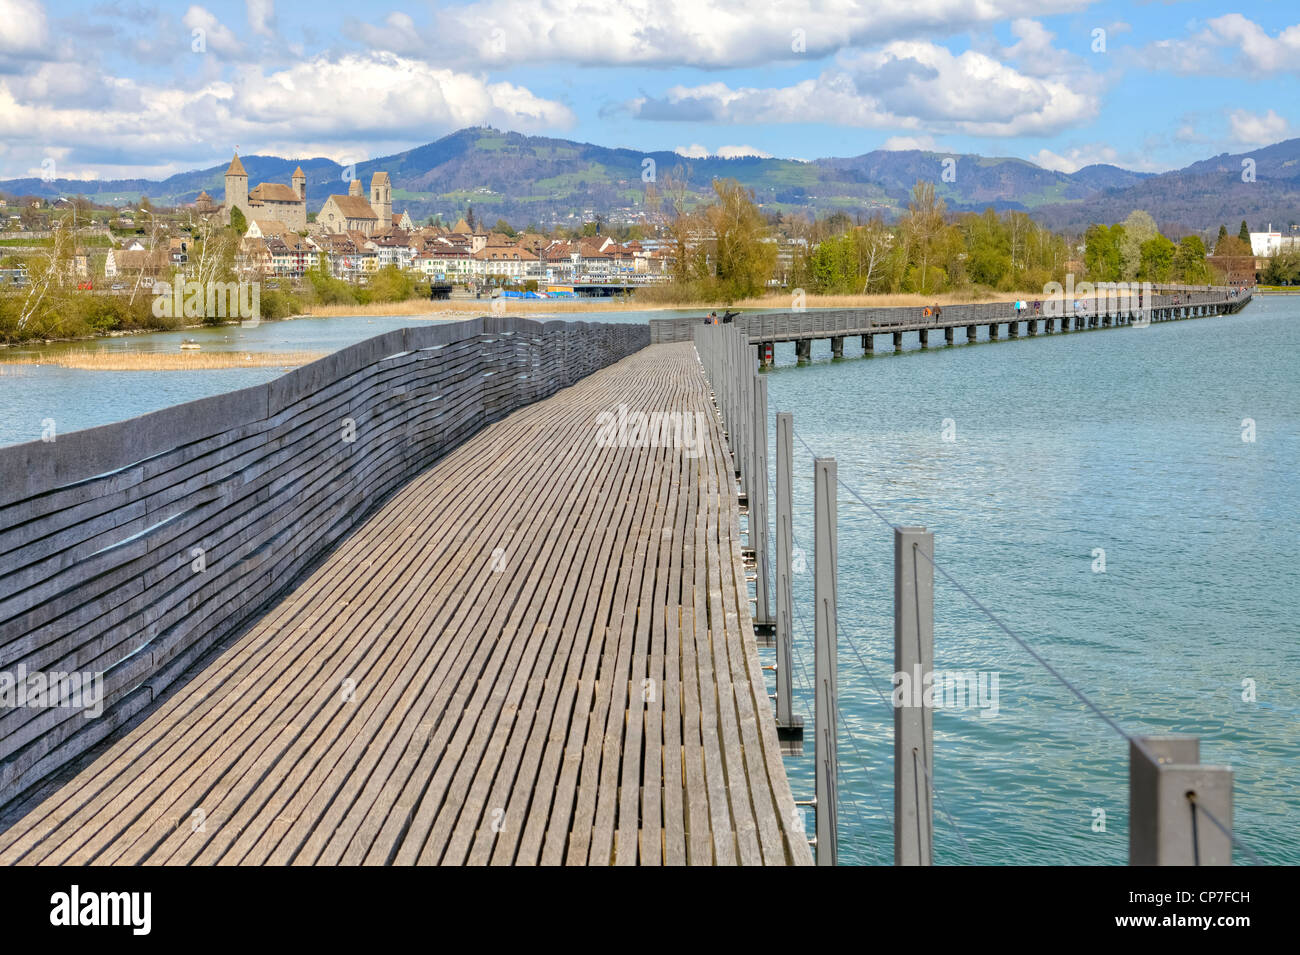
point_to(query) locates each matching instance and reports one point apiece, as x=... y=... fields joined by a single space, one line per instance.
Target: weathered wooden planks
x=547 y=646
x=100 y=530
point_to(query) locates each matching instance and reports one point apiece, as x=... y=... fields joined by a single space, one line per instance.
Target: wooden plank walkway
x=538 y=651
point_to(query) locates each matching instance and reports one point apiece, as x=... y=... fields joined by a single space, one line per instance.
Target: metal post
x=824 y=513
x=1165 y=801
x=913 y=726
x=788 y=726
x=758 y=509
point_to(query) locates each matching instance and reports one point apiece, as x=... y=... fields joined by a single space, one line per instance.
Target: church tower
x=236 y=189
x=381 y=200
x=299 y=181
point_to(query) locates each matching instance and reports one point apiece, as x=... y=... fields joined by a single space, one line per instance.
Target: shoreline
x=456 y=309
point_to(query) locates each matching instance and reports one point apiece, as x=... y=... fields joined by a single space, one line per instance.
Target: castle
x=270 y=200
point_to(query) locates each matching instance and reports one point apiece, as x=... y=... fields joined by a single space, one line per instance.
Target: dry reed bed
x=458 y=309
x=168 y=361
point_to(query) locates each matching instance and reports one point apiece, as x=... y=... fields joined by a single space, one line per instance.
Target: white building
x=1271 y=243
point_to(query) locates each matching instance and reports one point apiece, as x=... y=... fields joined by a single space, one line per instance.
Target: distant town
x=350 y=236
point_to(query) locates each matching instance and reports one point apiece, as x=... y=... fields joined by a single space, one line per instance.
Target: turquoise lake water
x=78 y=398
x=1127 y=440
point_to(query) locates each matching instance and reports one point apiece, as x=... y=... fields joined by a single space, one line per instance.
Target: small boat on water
x=189 y=344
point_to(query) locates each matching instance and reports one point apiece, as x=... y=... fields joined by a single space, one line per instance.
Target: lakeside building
x=269 y=200
x=354 y=213
x=1269 y=243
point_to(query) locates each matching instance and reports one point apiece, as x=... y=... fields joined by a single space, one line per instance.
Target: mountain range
x=534 y=179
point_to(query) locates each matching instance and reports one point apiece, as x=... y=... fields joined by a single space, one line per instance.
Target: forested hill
x=534 y=179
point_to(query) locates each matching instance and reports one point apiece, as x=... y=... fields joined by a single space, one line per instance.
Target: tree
x=1157 y=260
x=1244 y=232
x=921 y=229
x=237 y=221
x=1231 y=245
x=743 y=258
x=1223 y=234
x=1283 y=269
x=389 y=284
x=1139 y=228
x=1190 y=267
x=1103 y=253
x=681 y=224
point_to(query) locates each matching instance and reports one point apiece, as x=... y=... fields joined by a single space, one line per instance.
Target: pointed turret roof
x=298 y=172
x=236 y=168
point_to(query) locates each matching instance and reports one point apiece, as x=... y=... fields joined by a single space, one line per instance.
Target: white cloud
x=23 y=28
x=1072 y=160
x=261 y=16
x=696 y=151
x=910 y=85
x=216 y=35
x=903 y=143
x=350 y=106
x=1249 y=45
x=708 y=33
x=740 y=152
x=1252 y=129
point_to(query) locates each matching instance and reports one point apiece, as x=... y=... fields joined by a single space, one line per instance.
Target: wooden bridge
x=438 y=642
x=1103 y=308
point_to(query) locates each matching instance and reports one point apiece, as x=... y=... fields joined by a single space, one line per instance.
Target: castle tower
x=354 y=188
x=299 y=181
x=381 y=199
x=236 y=189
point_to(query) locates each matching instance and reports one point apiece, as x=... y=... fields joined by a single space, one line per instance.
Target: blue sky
x=109 y=90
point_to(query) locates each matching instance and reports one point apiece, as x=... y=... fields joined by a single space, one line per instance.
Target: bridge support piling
x=867 y=344
x=925 y=338
x=970 y=334
x=824 y=657
x=789 y=728
x=837 y=346
x=1013 y=329
x=993 y=331
x=1171 y=799
x=803 y=349
x=948 y=335
x=1032 y=326
x=898 y=341
x=913 y=725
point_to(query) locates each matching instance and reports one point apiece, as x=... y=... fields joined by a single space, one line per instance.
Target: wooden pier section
x=1103 y=308
x=540 y=650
